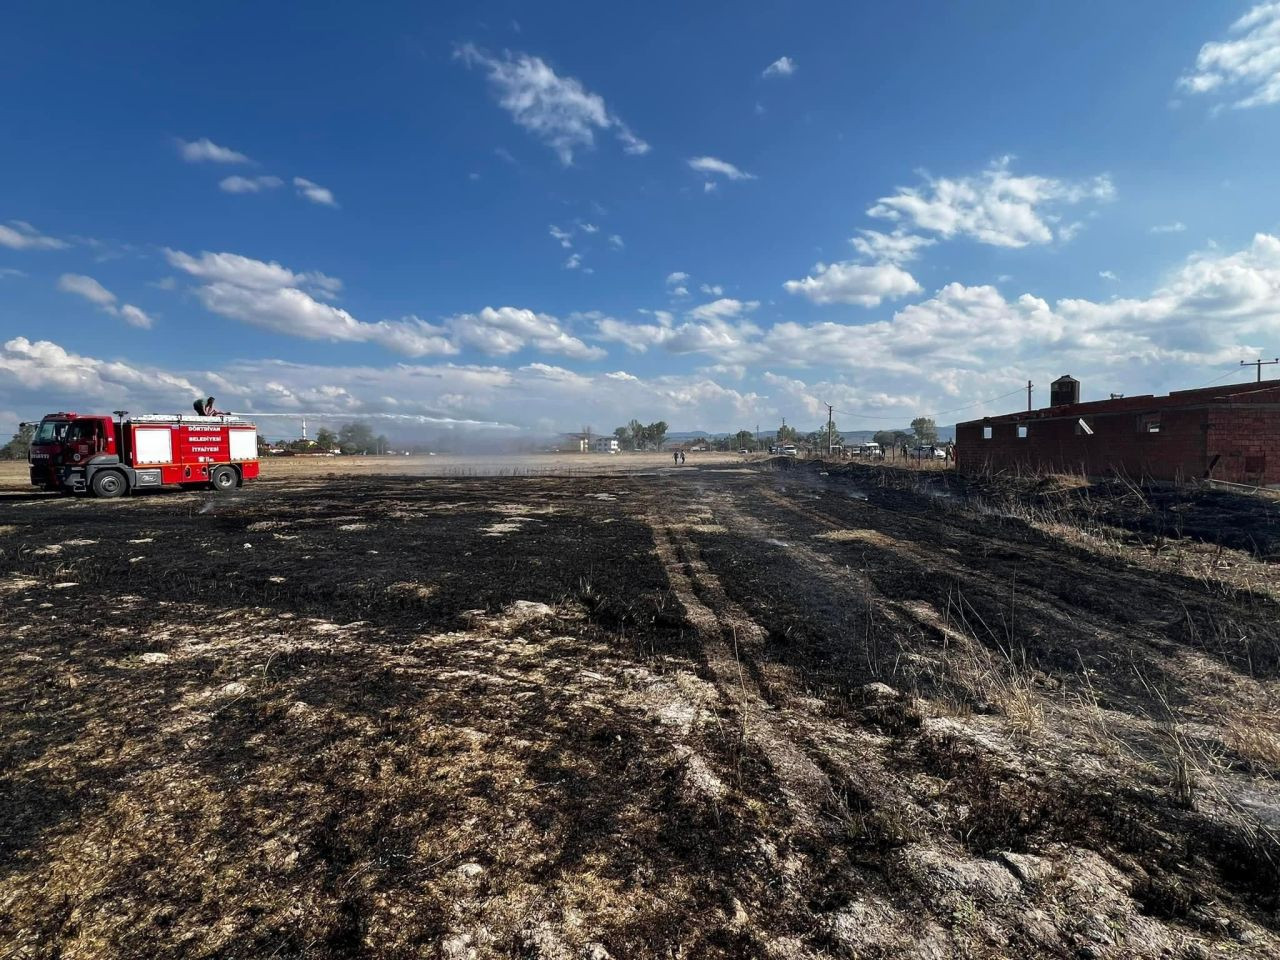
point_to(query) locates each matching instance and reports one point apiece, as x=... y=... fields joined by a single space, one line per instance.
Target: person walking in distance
x=675 y=457
x=682 y=458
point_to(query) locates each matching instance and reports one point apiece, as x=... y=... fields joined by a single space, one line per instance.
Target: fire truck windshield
x=82 y=430
x=51 y=431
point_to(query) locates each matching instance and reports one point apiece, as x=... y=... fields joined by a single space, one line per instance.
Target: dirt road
x=720 y=711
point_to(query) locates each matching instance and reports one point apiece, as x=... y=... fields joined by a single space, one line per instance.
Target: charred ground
x=730 y=712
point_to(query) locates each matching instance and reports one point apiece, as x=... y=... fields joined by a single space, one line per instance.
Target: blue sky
x=552 y=215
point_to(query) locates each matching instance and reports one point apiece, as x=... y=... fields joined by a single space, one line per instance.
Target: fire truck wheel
x=222 y=479
x=108 y=484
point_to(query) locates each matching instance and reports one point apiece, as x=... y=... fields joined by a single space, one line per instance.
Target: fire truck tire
x=223 y=479
x=108 y=484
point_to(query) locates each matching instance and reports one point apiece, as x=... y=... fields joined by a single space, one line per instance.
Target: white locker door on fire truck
x=152 y=445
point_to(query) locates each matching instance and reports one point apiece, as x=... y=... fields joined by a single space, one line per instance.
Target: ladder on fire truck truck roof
x=219 y=421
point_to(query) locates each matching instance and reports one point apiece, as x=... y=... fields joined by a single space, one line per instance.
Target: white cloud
x=574 y=261
x=243 y=271
x=896 y=247
x=971 y=341
x=546 y=371
x=557 y=110
x=782 y=67
x=717 y=327
x=1246 y=66
x=996 y=207
x=714 y=167
x=723 y=308
x=20 y=235
x=205 y=150
x=1107 y=275
x=712 y=289
x=86 y=287
x=507 y=330
x=296 y=313
x=91 y=290
x=238 y=184
x=56 y=376
x=865 y=285
x=715 y=335
x=589 y=228
x=272 y=297
x=10 y=272
x=1176 y=227
x=314 y=192
x=615 y=241
x=564 y=236
x=676 y=284
x=135 y=317
x=1212 y=309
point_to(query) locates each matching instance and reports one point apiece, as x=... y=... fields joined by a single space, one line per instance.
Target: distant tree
x=16 y=449
x=623 y=436
x=264 y=446
x=326 y=439
x=381 y=443
x=636 y=430
x=818 y=439
x=656 y=433
x=925 y=430
x=788 y=434
x=890 y=439
x=356 y=438
x=744 y=440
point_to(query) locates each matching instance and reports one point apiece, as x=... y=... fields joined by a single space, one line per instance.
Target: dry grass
x=1253 y=735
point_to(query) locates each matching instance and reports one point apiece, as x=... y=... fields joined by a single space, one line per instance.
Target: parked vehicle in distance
x=744 y=451
x=789 y=450
x=928 y=453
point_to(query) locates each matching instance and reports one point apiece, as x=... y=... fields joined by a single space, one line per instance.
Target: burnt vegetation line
x=1240 y=626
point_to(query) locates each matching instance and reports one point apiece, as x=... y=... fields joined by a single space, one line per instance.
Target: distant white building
x=606 y=445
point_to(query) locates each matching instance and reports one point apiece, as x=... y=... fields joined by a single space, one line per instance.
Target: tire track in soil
x=1045 y=605
x=722 y=625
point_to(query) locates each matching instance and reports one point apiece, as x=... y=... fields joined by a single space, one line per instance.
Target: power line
x=1230 y=373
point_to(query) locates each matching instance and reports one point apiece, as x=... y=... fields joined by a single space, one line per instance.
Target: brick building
x=1227 y=433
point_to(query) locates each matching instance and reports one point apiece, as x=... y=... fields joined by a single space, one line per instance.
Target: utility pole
x=1259 y=363
x=830 y=428
x=1029 y=386
x=757 y=438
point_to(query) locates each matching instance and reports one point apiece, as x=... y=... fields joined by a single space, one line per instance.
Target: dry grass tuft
x=1254 y=736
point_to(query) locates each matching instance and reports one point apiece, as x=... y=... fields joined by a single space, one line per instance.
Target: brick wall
x=1246 y=442
x=1234 y=437
x=1116 y=445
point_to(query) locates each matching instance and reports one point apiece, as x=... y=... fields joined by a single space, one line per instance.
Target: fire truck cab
x=109 y=456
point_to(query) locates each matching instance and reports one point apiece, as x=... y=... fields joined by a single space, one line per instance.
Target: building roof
x=1268 y=391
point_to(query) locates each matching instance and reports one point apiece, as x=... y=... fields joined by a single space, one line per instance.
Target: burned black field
x=722 y=712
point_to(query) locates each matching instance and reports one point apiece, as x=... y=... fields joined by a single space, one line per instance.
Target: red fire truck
x=109 y=456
